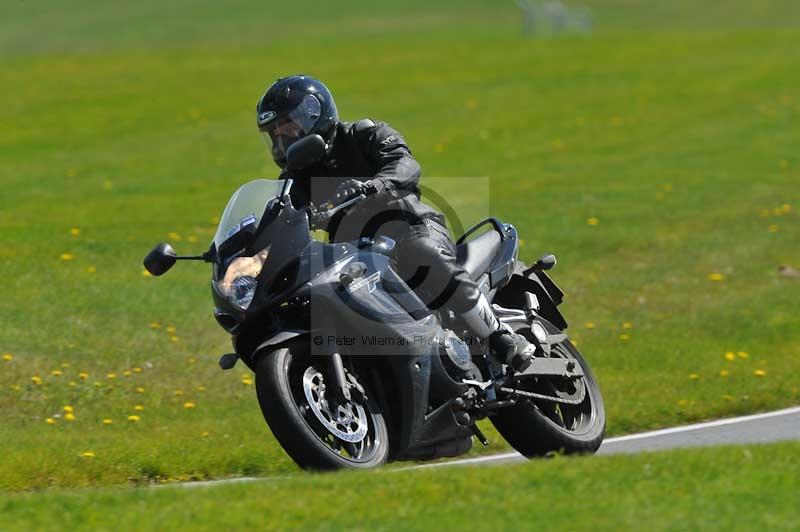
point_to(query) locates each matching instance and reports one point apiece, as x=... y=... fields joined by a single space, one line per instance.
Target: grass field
x=748 y=488
x=657 y=158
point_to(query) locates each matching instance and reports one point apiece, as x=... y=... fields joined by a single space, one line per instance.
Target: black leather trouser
x=426 y=260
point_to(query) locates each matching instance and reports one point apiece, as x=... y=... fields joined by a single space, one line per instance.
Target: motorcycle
x=352 y=370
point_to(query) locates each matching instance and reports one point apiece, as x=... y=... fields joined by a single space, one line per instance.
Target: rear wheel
x=316 y=430
x=558 y=414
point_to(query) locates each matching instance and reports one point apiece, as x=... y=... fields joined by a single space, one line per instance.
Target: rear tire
x=537 y=427
x=296 y=423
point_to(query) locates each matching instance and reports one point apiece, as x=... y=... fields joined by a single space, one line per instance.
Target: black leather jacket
x=366 y=150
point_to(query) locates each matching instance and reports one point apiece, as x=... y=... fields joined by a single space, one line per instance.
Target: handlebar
x=320 y=218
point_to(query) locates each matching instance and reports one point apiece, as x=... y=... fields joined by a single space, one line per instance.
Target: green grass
x=744 y=488
x=676 y=130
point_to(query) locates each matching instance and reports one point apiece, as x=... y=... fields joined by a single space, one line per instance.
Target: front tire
x=291 y=390
x=537 y=427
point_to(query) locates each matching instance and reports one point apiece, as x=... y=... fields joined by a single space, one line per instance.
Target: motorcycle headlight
x=239 y=283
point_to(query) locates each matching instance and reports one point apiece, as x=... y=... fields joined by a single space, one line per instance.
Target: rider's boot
x=505 y=347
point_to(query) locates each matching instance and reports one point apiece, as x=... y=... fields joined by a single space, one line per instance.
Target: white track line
x=512 y=455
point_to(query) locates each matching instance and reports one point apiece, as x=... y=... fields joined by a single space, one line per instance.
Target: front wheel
x=313 y=428
x=557 y=414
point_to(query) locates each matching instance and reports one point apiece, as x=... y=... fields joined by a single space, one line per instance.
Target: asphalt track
x=780 y=425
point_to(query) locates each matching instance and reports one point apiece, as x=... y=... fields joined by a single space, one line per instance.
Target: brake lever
x=320 y=218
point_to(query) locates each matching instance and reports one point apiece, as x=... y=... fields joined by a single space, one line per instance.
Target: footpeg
x=479 y=435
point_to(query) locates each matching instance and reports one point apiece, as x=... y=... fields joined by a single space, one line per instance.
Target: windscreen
x=246 y=207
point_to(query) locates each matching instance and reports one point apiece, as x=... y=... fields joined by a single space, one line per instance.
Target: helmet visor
x=283 y=131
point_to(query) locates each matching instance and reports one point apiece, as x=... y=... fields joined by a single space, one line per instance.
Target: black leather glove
x=349 y=189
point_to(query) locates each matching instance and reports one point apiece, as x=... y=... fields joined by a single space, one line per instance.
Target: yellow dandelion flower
x=133 y=418
x=590 y=325
x=205 y=434
x=65 y=365
x=75 y=231
x=50 y=421
x=36 y=379
x=83 y=375
x=171 y=329
x=173 y=339
x=126 y=373
x=742 y=354
x=69 y=416
x=760 y=373
x=108 y=421
x=727 y=397
x=145 y=273
x=111 y=376
x=56 y=373
x=730 y=355
x=137 y=370
x=191 y=360
x=247 y=381
x=694 y=376
x=188 y=404
x=786 y=208
x=627 y=325
x=68 y=408
x=772 y=228
x=683 y=402
x=66 y=256
x=624 y=337
x=140 y=389
x=724 y=373
x=191 y=238
x=715 y=276
x=87 y=454
x=155 y=325
x=178 y=393
x=201 y=388
x=8 y=357
x=574 y=342
x=72 y=383
x=592 y=221
x=172 y=235
x=138 y=408
x=91 y=269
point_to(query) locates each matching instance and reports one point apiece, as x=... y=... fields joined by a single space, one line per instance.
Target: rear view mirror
x=305 y=152
x=160 y=259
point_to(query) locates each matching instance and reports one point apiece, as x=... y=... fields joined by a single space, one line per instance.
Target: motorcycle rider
x=370 y=157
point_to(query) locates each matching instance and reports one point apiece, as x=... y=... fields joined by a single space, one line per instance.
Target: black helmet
x=293 y=107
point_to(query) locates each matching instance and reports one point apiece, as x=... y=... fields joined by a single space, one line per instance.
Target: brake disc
x=347 y=421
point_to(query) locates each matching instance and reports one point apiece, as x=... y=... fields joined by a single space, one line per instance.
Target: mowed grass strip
x=659 y=166
x=733 y=488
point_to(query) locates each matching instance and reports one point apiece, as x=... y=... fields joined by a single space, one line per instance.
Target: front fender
x=272 y=343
